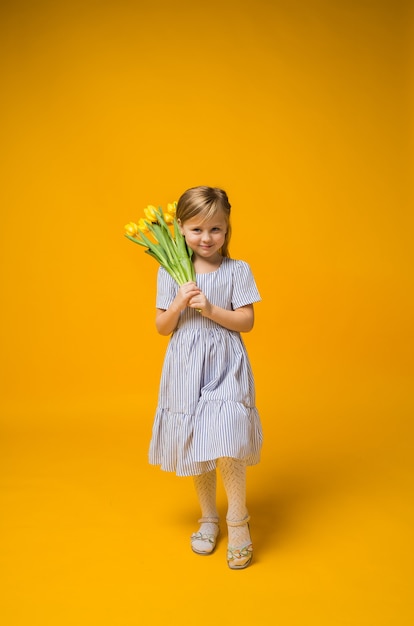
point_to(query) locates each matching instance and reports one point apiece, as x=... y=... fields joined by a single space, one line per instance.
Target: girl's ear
x=180 y=226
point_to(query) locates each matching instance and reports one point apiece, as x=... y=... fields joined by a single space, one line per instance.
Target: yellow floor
x=92 y=535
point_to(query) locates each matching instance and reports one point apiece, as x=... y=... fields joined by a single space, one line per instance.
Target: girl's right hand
x=185 y=293
x=167 y=320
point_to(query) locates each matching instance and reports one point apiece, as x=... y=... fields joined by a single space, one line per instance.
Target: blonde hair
x=205 y=202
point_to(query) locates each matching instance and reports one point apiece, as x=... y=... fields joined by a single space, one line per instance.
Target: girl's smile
x=205 y=238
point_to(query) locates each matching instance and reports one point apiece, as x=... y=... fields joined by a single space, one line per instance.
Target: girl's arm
x=240 y=320
x=166 y=320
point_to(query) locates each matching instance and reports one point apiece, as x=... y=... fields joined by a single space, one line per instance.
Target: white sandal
x=205 y=543
x=240 y=557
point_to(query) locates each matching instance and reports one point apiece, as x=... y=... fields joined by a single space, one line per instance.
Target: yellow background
x=302 y=111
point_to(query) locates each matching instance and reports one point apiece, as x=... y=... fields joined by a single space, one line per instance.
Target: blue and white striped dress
x=206 y=405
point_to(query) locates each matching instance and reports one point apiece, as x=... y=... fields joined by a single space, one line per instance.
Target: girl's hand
x=199 y=301
x=185 y=293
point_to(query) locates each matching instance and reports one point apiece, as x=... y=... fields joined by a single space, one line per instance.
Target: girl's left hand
x=200 y=303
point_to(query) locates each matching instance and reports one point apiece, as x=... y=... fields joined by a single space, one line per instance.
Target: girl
x=206 y=417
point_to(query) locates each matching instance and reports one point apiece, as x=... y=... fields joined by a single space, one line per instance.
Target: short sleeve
x=244 y=286
x=166 y=289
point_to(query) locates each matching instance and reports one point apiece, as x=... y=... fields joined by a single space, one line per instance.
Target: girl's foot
x=204 y=541
x=240 y=548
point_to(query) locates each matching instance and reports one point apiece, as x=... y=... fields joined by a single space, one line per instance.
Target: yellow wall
x=302 y=111
x=299 y=111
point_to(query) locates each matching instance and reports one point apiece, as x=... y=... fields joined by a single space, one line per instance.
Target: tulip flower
x=132 y=229
x=151 y=213
x=168 y=247
x=143 y=225
x=169 y=218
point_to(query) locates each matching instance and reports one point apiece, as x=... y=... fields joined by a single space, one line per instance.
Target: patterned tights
x=233 y=474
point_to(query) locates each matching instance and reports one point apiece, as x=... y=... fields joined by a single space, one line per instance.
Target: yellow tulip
x=169 y=218
x=150 y=213
x=142 y=225
x=171 y=208
x=132 y=229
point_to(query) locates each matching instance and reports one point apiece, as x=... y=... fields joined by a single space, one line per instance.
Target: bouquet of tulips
x=164 y=242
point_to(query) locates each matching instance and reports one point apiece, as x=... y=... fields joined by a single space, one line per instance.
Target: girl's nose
x=205 y=236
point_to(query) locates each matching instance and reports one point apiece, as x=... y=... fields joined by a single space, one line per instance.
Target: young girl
x=206 y=418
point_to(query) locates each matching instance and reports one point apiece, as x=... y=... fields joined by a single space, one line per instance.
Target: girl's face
x=205 y=238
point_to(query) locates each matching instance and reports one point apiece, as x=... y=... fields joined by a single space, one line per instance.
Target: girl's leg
x=204 y=541
x=233 y=472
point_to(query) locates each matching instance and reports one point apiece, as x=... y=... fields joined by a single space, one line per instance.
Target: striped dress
x=206 y=406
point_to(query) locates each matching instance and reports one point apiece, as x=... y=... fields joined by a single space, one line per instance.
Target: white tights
x=233 y=474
